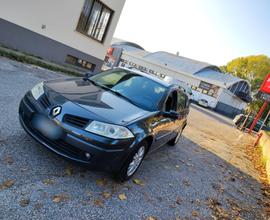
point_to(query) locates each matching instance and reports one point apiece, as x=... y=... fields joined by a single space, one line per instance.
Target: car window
x=141 y=91
x=182 y=101
x=171 y=102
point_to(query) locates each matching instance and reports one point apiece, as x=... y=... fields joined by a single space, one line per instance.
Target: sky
x=213 y=31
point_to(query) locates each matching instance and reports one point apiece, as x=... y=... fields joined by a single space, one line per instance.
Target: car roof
x=146 y=75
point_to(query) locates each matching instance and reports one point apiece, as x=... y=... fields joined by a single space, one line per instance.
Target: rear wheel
x=175 y=140
x=133 y=162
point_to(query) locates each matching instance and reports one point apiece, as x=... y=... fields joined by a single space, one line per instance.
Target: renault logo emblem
x=56 y=111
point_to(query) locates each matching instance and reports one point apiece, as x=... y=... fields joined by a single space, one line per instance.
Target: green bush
x=34 y=61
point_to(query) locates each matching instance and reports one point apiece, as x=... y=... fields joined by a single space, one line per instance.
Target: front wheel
x=175 y=140
x=132 y=163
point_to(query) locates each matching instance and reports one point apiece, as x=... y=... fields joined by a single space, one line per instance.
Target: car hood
x=104 y=104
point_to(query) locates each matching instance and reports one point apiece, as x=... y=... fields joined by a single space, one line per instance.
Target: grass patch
x=23 y=58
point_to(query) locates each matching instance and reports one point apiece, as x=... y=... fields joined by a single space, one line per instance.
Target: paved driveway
x=186 y=181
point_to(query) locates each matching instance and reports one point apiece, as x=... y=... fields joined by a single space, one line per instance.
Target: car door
x=162 y=125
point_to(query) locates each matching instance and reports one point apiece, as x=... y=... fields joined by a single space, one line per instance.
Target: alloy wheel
x=136 y=161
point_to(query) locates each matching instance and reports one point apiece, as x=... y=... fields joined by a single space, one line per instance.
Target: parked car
x=108 y=121
x=240 y=119
x=237 y=119
x=203 y=103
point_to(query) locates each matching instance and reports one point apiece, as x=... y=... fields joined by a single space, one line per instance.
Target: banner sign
x=266 y=85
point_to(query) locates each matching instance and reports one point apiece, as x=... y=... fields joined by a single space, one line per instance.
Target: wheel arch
x=149 y=139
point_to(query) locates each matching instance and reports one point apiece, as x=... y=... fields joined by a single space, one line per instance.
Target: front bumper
x=74 y=146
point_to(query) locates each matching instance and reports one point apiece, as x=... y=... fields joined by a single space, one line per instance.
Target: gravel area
x=188 y=181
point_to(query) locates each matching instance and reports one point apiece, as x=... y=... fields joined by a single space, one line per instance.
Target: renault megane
x=108 y=121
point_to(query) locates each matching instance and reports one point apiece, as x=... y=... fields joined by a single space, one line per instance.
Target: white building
x=225 y=93
x=76 y=32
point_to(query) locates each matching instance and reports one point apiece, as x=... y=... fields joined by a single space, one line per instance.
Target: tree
x=251 y=68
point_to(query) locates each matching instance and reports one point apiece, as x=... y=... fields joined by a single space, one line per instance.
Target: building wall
x=227 y=110
x=41 y=46
x=229 y=104
x=159 y=69
x=229 y=98
x=60 y=20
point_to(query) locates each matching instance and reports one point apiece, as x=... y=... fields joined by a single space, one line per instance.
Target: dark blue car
x=108 y=121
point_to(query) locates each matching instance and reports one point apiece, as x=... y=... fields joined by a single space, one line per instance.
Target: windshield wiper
x=92 y=81
x=113 y=91
x=97 y=84
x=120 y=95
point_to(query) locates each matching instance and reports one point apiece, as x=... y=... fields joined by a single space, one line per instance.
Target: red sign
x=110 y=51
x=266 y=85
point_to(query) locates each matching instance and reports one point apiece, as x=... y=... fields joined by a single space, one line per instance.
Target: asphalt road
x=214 y=115
x=182 y=182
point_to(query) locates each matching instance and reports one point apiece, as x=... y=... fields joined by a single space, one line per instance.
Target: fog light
x=87 y=155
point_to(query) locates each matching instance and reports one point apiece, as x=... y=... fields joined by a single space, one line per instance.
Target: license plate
x=47 y=127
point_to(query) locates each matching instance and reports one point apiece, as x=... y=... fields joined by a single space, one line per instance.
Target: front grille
x=60 y=145
x=45 y=101
x=64 y=147
x=76 y=120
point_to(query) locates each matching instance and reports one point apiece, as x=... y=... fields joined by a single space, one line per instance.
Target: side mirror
x=171 y=114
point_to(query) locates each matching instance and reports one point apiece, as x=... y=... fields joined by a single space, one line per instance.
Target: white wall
x=160 y=69
x=61 y=18
x=228 y=98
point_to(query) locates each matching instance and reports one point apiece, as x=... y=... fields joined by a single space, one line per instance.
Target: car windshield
x=137 y=89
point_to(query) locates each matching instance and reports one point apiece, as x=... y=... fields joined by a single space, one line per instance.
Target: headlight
x=37 y=90
x=109 y=130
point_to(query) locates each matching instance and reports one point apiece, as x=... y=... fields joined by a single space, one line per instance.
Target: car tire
x=176 y=139
x=135 y=158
